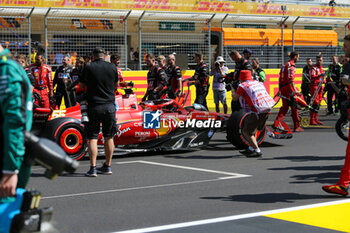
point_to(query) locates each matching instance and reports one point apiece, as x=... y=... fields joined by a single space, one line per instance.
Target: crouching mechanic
x=255 y=101
x=15 y=118
x=341 y=187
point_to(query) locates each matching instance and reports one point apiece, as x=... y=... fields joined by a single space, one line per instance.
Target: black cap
x=247 y=51
x=98 y=50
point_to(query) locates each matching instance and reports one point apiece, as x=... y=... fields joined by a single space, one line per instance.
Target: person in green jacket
x=258 y=73
x=15 y=118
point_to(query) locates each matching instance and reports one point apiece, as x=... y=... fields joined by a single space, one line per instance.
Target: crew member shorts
x=254 y=122
x=219 y=96
x=101 y=114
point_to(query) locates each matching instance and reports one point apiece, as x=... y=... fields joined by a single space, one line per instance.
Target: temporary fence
x=164 y=33
x=15 y=29
x=77 y=32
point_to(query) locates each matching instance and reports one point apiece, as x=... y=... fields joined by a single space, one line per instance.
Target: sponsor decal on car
x=152 y=120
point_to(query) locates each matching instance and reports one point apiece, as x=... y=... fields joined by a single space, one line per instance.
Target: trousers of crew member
x=342 y=185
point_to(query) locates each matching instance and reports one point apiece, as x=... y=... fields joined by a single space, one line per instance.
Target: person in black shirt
x=101 y=79
x=305 y=83
x=62 y=79
x=333 y=75
x=156 y=79
x=174 y=75
x=200 y=80
x=232 y=79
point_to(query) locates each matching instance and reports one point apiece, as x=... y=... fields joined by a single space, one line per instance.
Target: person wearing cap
x=100 y=79
x=219 y=90
x=257 y=103
x=247 y=53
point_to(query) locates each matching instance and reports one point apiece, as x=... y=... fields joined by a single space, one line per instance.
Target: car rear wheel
x=234 y=131
x=71 y=138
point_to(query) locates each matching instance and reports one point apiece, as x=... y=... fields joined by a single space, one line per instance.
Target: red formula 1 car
x=151 y=125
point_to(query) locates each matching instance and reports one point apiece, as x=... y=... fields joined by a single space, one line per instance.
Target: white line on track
x=231 y=218
x=135 y=188
x=195 y=169
x=230 y=176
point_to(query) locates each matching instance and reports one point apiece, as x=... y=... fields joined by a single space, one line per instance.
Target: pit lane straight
x=148 y=190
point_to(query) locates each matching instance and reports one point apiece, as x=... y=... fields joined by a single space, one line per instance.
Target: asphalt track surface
x=211 y=190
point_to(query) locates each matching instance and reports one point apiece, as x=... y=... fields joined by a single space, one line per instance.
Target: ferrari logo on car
x=151 y=120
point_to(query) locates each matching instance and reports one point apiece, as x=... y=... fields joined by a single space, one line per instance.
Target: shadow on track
x=269 y=197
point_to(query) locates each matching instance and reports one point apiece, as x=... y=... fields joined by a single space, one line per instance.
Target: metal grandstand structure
x=78 y=31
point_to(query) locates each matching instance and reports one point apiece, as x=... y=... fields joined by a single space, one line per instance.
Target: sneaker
x=299 y=129
x=92 y=172
x=336 y=189
x=246 y=152
x=254 y=154
x=106 y=170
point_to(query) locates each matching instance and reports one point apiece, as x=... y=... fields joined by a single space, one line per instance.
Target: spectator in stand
x=32 y=55
x=305 y=83
x=131 y=54
x=52 y=58
x=144 y=55
x=87 y=59
x=59 y=57
x=137 y=59
x=332 y=3
x=73 y=58
x=220 y=71
x=258 y=73
x=108 y=57
x=247 y=53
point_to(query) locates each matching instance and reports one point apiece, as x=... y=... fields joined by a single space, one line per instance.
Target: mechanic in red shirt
x=287 y=89
x=316 y=79
x=341 y=187
x=257 y=103
x=43 y=81
x=175 y=76
x=156 y=79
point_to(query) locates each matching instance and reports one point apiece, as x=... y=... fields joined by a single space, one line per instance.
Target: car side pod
x=23 y=214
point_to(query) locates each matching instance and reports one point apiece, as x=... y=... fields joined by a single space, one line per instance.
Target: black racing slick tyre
x=234 y=130
x=342 y=128
x=71 y=138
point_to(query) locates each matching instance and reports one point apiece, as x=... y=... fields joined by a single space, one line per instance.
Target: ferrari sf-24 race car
x=163 y=124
